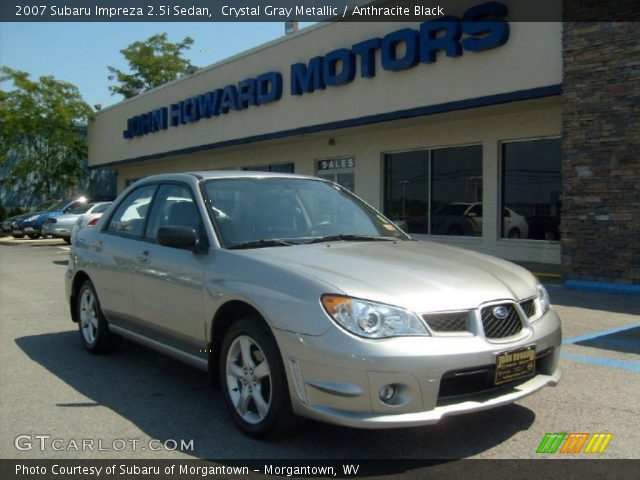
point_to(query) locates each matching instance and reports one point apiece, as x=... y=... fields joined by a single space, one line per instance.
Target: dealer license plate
x=515 y=364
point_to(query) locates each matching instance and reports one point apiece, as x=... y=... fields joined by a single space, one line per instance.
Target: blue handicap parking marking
x=624 y=339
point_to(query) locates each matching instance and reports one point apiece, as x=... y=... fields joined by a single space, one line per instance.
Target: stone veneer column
x=601 y=151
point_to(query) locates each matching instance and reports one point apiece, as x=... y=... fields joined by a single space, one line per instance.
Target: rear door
x=113 y=254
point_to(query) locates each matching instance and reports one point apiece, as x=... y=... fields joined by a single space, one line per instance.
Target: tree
x=152 y=62
x=42 y=133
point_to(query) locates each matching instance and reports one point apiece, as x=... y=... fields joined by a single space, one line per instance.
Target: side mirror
x=185 y=238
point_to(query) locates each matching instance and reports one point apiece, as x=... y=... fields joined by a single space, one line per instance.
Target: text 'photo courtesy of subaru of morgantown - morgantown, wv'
x=301 y=300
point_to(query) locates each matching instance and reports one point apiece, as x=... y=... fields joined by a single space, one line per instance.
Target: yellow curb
x=550 y=275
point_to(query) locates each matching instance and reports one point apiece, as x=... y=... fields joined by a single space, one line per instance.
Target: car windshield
x=100 y=208
x=275 y=211
x=79 y=208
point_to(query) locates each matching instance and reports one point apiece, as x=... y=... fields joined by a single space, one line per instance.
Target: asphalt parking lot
x=50 y=386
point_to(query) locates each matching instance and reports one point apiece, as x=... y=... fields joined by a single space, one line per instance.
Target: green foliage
x=16 y=211
x=42 y=138
x=152 y=62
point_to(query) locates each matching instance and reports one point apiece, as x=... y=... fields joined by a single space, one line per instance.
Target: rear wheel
x=94 y=330
x=254 y=382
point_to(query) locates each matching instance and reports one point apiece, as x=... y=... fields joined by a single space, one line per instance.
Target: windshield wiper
x=350 y=238
x=272 y=242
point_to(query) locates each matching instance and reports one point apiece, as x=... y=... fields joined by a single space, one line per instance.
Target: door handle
x=143 y=257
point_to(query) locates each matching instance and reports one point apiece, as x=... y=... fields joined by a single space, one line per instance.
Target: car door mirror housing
x=179 y=237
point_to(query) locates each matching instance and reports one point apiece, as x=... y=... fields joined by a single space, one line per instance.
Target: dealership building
x=516 y=139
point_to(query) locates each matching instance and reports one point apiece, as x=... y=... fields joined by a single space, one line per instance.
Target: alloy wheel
x=248 y=379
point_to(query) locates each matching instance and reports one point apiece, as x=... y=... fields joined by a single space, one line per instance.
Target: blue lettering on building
x=480 y=28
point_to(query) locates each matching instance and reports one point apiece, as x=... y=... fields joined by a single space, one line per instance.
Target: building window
x=531 y=189
x=277 y=167
x=339 y=170
x=436 y=192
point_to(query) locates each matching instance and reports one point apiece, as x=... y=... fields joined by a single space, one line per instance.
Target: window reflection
x=436 y=191
x=531 y=189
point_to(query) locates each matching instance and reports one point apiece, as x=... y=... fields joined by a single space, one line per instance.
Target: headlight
x=372 y=320
x=543 y=298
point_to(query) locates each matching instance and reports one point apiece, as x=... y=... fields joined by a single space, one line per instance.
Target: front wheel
x=254 y=382
x=94 y=330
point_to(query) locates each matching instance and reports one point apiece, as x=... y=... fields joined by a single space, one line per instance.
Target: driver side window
x=174 y=206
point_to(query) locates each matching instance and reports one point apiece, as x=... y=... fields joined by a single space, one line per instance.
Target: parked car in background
x=12 y=225
x=90 y=218
x=32 y=224
x=302 y=300
x=61 y=226
x=462 y=218
x=544 y=227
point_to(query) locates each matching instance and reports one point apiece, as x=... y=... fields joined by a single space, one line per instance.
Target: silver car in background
x=301 y=300
x=90 y=218
x=61 y=226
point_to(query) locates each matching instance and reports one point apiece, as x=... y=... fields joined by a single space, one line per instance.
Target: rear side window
x=129 y=218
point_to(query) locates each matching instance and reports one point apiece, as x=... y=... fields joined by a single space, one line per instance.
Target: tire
x=34 y=236
x=14 y=235
x=253 y=381
x=514 y=233
x=93 y=327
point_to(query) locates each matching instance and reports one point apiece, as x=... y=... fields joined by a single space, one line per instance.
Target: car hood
x=417 y=275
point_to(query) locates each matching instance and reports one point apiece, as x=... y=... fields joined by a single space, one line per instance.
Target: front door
x=168 y=284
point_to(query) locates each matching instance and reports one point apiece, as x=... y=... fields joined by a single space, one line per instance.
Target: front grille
x=529 y=307
x=457 y=385
x=495 y=327
x=448 y=322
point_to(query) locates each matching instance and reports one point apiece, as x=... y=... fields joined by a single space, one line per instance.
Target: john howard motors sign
x=480 y=28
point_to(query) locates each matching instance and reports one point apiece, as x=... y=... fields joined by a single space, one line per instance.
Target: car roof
x=215 y=174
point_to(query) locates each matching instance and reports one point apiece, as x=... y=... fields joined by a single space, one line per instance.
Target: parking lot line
x=631 y=365
x=600 y=333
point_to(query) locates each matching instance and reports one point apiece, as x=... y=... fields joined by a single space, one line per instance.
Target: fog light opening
x=387 y=392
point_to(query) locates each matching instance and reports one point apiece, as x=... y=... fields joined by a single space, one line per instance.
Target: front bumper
x=337 y=377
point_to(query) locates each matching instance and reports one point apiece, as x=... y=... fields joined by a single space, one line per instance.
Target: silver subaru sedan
x=300 y=300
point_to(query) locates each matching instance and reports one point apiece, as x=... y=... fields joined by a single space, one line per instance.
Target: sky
x=80 y=52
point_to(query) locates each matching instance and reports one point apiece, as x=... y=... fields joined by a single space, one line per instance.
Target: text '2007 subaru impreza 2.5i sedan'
x=303 y=301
